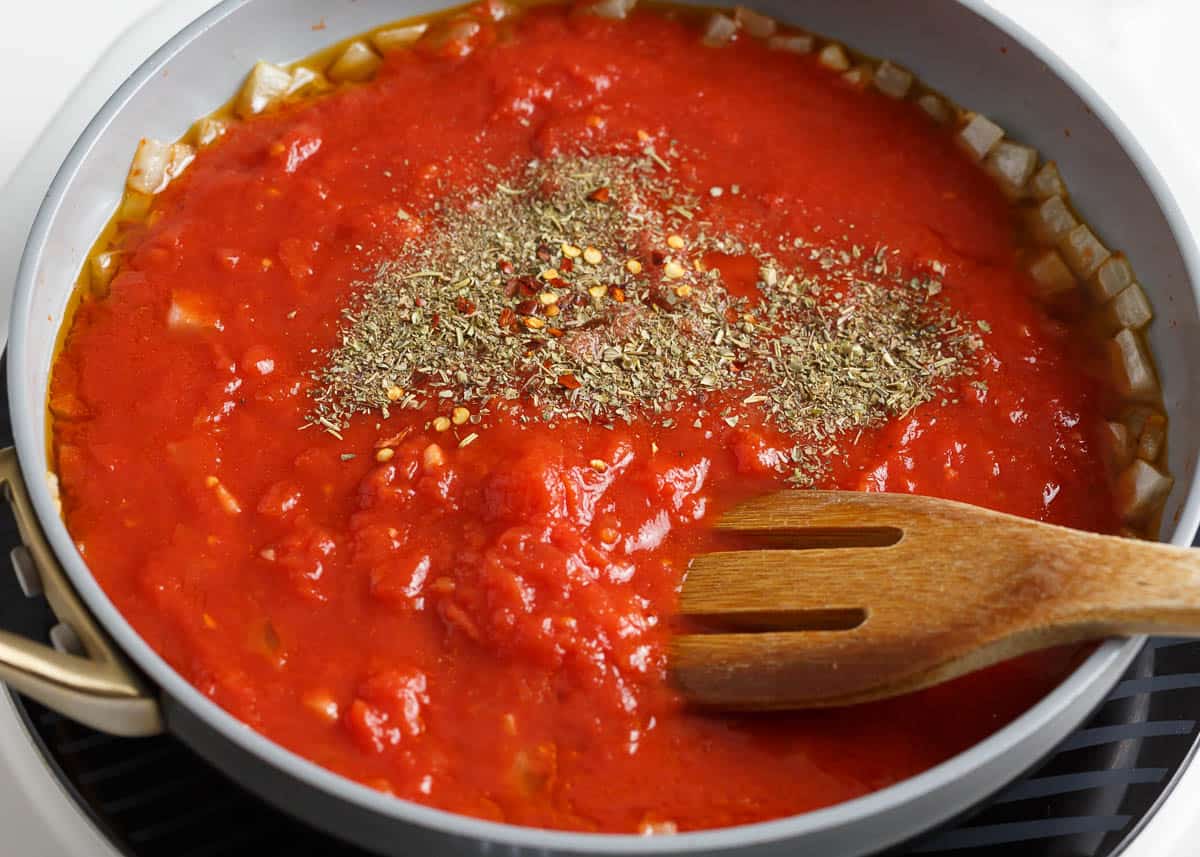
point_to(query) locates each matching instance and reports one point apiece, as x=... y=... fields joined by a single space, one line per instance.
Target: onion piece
x=102 y=267
x=149 y=166
x=304 y=79
x=1047 y=182
x=1130 y=309
x=208 y=131
x=189 y=311
x=1113 y=277
x=1051 y=275
x=1050 y=221
x=55 y=493
x=357 y=63
x=934 y=105
x=1083 y=251
x=861 y=75
x=265 y=85
x=1153 y=437
x=892 y=80
x=1120 y=444
x=156 y=163
x=720 y=30
x=1141 y=490
x=135 y=206
x=979 y=136
x=1011 y=164
x=833 y=56
x=1135 y=418
x=795 y=43
x=1132 y=371
x=615 y=10
x=756 y=24
x=395 y=38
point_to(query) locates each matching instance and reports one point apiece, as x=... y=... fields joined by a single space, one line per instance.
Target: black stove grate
x=154 y=797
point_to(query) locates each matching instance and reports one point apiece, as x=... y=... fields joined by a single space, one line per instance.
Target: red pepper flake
x=419 y=301
x=526 y=307
x=506 y=267
x=731 y=315
x=463 y=305
x=508 y=318
x=435 y=320
x=600 y=194
x=543 y=252
x=617 y=294
x=569 y=381
x=566 y=266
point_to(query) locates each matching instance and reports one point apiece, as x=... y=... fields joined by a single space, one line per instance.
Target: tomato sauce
x=483 y=628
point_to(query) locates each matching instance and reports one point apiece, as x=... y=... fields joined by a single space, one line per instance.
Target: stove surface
x=1136 y=53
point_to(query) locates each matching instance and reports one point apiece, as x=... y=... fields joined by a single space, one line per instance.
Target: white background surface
x=1139 y=54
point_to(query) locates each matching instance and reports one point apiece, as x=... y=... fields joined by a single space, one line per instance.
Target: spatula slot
x=762 y=621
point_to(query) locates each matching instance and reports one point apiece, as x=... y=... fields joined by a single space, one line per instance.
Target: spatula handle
x=1105 y=585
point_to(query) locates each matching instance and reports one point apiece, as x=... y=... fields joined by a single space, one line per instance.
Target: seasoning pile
x=591 y=288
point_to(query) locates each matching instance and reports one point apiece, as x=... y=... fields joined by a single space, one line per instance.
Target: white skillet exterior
x=949 y=45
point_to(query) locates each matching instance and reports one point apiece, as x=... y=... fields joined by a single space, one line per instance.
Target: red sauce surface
x=487 y=635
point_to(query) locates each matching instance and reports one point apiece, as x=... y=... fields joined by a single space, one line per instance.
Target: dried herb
x=584 y=287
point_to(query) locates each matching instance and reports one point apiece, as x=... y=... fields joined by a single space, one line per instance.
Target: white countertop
x=1137 y=53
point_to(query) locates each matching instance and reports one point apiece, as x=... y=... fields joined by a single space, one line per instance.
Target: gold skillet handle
x=98 y=687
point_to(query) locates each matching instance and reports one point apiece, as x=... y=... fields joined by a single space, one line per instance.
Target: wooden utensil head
x=841 y=598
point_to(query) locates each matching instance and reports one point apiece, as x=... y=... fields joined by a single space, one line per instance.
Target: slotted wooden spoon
x=850 y=597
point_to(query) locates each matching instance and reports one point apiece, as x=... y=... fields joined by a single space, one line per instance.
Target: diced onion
x=615 y=10
x=135 y=206
x=55 y=495
x=1120 y=443
x=265 y=85
x=1133 y=373
x=189 y=312
x=1141 y=490
x=979 y=136
x=304 y=79
x=1083 y=251
x=395 y=38
x=102 y=268
x=1050 y=221
x=755 y=23
x=226 y=500
x=208 y=130
x=1047 y=182
x=149 y=166
x=861 y=75
x=459 y=34
x=892 y=80
x=1113 y=277
x=936 y=107
x=1011 y=164
x=797 y=43
x=1131 y=309
x=357 y=63
x=1051 y=275
x=833 y=56
x=1135 y=418
x=155 y=163
x=720 y=30
x=1153 y=436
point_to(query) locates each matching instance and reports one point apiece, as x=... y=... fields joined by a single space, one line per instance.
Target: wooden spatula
x=849 y=597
